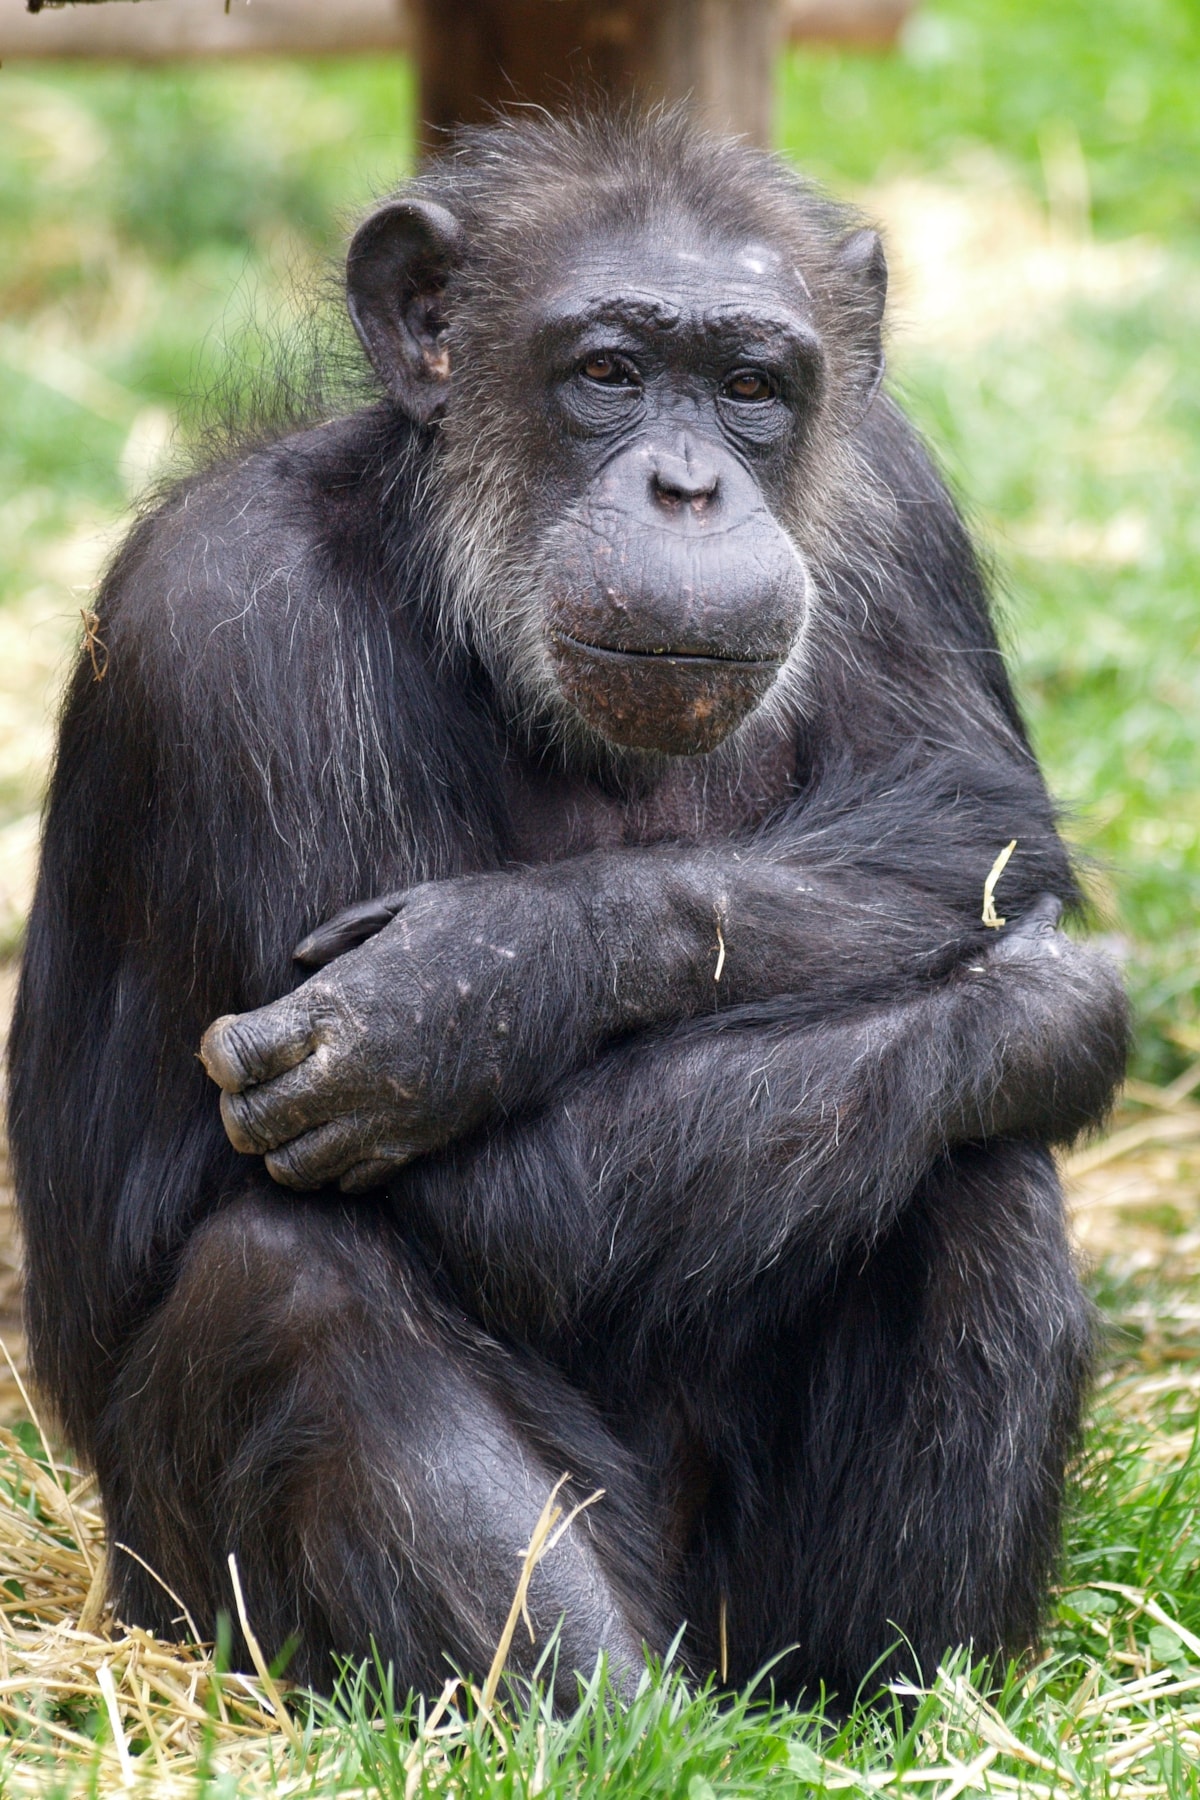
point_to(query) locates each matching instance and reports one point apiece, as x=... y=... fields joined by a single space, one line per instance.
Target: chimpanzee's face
x=679 y=383
x=635 y=442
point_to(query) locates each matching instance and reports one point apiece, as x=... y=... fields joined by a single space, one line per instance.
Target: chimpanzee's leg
x=306 y=1401
x=899 y=1469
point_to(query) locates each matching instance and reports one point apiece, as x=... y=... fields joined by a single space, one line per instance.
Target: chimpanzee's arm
x=243 y=769
x=683 y=1166
x=480 y=994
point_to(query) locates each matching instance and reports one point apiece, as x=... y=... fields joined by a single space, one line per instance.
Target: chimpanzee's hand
x=402 y=1043
x=1034 y=933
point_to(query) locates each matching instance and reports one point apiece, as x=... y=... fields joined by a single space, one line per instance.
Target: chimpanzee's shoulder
x=913 y=591
x=269 y=539
x=911 y=523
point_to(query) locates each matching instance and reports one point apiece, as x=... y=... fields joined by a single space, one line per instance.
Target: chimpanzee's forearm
x=840 y=905
x=478 y=995
x=679 y=1167
x=668 y=935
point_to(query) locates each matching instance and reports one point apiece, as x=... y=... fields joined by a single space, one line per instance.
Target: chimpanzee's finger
x=1038 y=920
x=240 y=1049
x=324 y=1155
x=273 y=1112
x=353 y=925
x=1034 y=934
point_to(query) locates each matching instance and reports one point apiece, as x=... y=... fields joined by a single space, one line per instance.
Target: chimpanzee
x=569 y=784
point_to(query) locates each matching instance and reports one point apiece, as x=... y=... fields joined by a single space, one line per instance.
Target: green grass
x=1018 y=77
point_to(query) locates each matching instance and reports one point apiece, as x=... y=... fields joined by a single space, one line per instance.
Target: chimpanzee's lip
x=694 y=658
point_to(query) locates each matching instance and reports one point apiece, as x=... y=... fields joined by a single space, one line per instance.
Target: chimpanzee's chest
x=693 y=800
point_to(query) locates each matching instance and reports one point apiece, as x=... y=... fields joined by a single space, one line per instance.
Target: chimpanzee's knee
x=303 y=1401
x=217 y=1403
x=908 y=1440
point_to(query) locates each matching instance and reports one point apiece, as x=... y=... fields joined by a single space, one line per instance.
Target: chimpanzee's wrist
x=642 y=933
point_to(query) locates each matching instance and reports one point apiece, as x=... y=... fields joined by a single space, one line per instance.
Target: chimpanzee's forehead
x=680 y=273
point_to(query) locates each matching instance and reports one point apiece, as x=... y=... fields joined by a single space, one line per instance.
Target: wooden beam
x=872 y=24
x=712 y=49
x=161 y=30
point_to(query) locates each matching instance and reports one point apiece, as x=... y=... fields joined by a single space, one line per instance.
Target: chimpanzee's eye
x=607 y=369
x=749 y=384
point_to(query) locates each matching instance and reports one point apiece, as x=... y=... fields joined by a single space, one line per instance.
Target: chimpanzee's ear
x=396 y=272
x=862 y=262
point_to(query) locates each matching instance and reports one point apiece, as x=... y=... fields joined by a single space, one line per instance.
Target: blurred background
x=1034 y=165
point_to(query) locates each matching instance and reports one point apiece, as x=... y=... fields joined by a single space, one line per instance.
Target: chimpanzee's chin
x=676 y=705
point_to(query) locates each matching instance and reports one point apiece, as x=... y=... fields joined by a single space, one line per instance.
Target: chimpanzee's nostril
x=678 y=480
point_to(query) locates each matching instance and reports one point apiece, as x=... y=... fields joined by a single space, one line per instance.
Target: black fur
x=778 y=1260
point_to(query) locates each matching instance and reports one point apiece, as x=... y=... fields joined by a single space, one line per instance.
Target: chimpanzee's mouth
x=681 y=702
x=693 y=658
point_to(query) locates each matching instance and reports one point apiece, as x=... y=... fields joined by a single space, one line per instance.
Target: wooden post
x=475 y=55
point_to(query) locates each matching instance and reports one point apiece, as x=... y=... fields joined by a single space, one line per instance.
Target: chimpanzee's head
x=645 y=351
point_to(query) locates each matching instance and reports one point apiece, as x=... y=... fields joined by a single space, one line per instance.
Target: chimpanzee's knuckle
x=257 y=1038
x=1025 y=948
x=336 y=1007
x=287 y=1172
x=270 y=1115
x=318 y=994
x=374 y=1171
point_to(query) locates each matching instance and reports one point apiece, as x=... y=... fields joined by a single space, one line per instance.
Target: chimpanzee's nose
x=686 y=476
